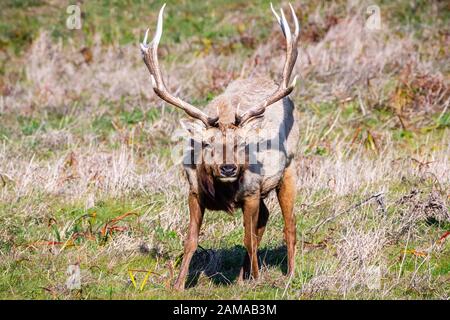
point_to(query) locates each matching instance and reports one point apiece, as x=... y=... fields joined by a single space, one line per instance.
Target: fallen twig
x=375 y=196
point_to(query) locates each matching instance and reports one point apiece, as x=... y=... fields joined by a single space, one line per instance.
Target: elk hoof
x=178 y=287
x=241 y=278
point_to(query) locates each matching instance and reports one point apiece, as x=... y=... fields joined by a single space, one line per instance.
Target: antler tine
x=284 y=89
x=150 y=56
x=275 y=14
x=145 y=38
x=297 y=25
x=159 y=27
x=285 y=26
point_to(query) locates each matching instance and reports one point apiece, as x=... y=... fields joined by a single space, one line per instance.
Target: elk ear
x=193 y=127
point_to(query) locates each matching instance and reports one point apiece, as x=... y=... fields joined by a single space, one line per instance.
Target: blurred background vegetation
x=87 y=177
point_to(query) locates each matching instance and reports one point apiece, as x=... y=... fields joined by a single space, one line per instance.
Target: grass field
x=87 y=177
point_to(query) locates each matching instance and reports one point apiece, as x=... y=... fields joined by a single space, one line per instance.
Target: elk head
x=223 y=143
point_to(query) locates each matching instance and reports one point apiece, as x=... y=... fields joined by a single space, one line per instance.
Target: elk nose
x=228 y=170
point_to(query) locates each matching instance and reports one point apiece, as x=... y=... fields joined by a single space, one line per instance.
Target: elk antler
x=291 y=56
x=150 y=56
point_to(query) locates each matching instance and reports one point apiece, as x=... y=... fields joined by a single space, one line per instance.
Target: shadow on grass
x=222 y=266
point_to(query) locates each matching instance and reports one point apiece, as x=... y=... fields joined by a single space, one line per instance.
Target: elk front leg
x=263 y=217
x=196 y=212
x=286 y=197
x=251 y=214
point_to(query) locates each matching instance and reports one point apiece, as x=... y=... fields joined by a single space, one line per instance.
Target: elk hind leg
x=286 y=197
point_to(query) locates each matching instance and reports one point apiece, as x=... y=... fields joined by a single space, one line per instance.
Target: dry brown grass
x=340 y=63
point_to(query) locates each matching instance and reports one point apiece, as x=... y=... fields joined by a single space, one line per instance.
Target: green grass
x=120 y=22
x=39 y=271
x=43 y=232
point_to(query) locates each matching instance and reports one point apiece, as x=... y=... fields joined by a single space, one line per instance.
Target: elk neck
x=217 y=195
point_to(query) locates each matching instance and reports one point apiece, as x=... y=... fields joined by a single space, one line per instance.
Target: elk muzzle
x=228 y=170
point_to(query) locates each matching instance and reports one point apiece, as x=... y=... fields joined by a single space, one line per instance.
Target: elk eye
x=206 y=144
x=242 y=143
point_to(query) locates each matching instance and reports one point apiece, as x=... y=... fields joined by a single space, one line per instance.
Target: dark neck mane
x=217 y=195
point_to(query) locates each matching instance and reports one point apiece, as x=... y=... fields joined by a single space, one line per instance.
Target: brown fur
x=196 y=212
x=225 y=110
x=286 y=193
x=216 y=195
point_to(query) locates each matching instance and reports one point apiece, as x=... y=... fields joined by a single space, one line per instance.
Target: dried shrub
x=419 y=92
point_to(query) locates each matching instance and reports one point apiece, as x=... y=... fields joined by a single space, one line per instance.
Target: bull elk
x=231 y=170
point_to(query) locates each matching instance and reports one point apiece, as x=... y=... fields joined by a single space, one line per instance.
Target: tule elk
x=242 y=147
